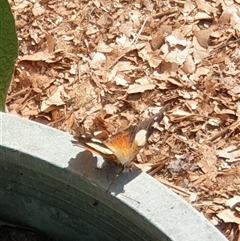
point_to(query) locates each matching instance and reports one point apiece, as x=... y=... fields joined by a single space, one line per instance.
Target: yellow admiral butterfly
x=121 y=148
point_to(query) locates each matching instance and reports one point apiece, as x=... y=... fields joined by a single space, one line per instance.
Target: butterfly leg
x=128 y=167
x=121 y=171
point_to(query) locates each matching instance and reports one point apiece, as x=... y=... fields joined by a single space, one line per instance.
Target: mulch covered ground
x=104 y=65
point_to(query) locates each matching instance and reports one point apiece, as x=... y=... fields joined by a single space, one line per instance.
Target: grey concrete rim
x=157 y=212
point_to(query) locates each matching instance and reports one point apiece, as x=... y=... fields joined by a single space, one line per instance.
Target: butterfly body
x=122 y=148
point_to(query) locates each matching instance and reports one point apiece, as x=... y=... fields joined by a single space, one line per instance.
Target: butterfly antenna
x=115 y=179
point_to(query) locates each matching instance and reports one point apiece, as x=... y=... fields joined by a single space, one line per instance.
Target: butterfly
x=120 y=149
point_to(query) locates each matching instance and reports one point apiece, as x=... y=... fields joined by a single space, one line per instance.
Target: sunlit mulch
x=83 y=63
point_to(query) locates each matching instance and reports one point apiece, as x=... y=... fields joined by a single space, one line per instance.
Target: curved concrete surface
x=49 y=184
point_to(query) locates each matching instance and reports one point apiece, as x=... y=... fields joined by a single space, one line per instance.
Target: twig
x=17 y=108
x=224 y=131
x=176 y=189
x=226 y=44
x=160 y=15
x=139 y=32
x=16 y=94
x=56 y=121
x=158 y=168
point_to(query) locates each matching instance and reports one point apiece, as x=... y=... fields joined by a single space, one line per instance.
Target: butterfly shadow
x=96 y=171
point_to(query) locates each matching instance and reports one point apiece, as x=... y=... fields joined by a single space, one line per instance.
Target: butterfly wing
x=97 y=147
x=122 y=147
x=126 y=145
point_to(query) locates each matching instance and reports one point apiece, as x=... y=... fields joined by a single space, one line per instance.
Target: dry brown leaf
x=111 y=109
x=97 y=60
x=135 y=88
x=144 y=84
x=180 y=113
x=105 y=20
x=151 y=57
x=231 y=153
x=39 y=56
x=208 y=161
x=50 y=42
x=203 y=36
x=229 y=216
x=233 y=202
x=54 y=100
x=120 y=80
x=177 y=54
x=176 y=38
x=145 y=167
x=104 y=48
x=175 y=82
x=199 y=52
x=38 y=9
x=189 y=65
x=205 y=6
x=125 y=66
x=30 y=110
x=159 y=37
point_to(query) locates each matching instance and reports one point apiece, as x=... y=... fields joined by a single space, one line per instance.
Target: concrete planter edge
x=51 y=185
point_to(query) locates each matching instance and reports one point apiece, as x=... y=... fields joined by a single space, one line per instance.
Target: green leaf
x=8 y=49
